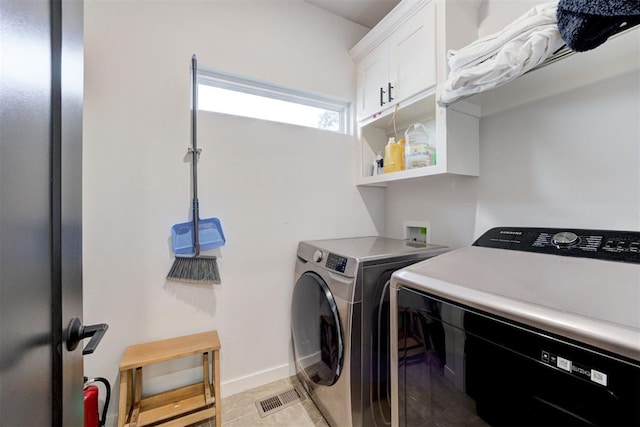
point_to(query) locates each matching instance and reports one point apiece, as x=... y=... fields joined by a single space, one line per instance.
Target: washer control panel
x=336 y=262
x=609 y=245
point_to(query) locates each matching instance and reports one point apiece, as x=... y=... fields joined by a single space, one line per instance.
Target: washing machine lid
x=596 y=301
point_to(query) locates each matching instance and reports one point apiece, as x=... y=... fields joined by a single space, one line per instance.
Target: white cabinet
x=373 y=81
x=412 y=55
x=400 y=65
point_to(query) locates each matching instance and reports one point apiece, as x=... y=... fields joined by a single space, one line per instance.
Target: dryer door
x=316 y=329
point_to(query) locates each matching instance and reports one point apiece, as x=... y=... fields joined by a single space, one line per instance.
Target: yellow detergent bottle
x=393 y=156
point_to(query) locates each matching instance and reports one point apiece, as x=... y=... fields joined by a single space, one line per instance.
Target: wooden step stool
x=178 y=407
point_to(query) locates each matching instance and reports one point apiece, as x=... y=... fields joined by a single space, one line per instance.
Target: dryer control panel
x=608 y=245
x=336 y=262
x=340 y=264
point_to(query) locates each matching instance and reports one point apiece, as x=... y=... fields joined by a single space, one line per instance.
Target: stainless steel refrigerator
x=41 y=84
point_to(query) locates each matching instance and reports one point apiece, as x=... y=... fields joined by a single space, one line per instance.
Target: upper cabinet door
x=373 y=79
x=412 y=55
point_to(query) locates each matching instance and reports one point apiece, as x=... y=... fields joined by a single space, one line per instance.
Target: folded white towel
x=536 y=18
x=501 y=57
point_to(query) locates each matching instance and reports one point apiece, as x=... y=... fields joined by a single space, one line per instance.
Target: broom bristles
x=200 y=269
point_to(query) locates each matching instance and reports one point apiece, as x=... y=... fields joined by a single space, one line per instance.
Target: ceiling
x=364 y=12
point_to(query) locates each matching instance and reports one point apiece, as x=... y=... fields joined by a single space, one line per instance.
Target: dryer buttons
x=565 y=239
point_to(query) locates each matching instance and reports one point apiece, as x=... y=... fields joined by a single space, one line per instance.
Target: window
x=230 y=94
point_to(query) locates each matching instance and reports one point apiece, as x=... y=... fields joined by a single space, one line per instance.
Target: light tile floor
x=239 y=410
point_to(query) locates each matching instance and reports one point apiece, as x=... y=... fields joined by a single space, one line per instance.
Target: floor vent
x=276 y=402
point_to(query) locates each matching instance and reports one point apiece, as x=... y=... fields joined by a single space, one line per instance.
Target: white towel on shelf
x=494 y=60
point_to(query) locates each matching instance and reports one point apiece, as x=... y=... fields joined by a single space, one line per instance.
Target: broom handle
x=194 y=152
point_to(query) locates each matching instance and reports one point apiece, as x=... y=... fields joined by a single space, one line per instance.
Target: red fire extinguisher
x=91 y=413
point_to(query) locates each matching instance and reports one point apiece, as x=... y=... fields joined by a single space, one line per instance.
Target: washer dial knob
x=317 y=255
x=565 y=239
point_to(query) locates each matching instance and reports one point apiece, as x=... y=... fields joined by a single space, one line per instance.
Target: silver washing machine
x=340 y=324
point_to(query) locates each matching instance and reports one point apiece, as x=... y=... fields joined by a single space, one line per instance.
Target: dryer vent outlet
x=279 y=401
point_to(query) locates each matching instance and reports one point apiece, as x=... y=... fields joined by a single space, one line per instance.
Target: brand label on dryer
x=574 y=368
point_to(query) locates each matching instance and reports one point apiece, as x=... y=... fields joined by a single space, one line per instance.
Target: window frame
x=234 y=82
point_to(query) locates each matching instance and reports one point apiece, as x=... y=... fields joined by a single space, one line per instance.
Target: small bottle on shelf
x=380 y=163
x=377 y=164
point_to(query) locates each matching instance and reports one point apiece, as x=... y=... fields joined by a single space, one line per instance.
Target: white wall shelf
x=456 y=144
x=564 y=71
x=382 y=180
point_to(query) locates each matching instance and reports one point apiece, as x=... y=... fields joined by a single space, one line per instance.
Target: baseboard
x=256 y=379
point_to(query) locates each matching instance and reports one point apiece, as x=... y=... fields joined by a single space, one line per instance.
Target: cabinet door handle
x=389 y=92
x=382 y=92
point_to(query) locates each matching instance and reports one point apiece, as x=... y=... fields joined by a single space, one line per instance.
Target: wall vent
x=276 y=402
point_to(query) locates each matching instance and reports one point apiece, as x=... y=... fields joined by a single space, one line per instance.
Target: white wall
x=571 y=160
x=494 y=15
x=567 y=161
x=270 y=184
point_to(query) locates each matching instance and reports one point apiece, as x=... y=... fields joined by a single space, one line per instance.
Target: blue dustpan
x=209 y=232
